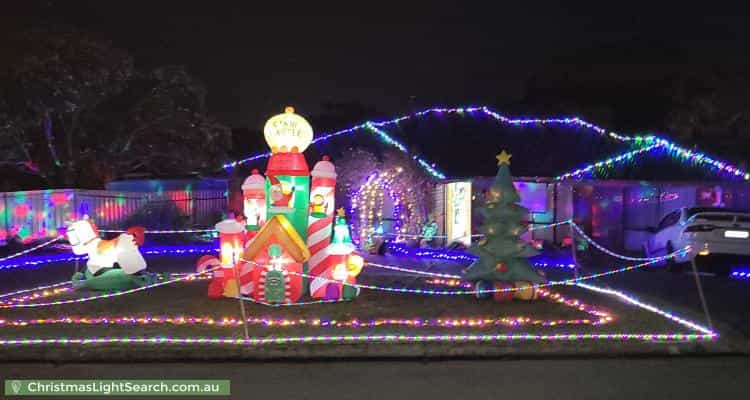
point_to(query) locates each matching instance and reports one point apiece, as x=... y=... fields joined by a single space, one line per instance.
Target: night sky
x=256 y=58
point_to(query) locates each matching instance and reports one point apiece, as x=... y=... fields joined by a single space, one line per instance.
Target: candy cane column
x=320 y=223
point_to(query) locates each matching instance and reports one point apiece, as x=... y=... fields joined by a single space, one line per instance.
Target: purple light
x=648 y=142
x=34 y=261
x=458 y=256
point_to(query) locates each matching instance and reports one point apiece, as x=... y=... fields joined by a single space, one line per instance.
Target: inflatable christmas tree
x=502 y=254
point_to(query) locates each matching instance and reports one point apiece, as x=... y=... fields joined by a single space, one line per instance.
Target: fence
x=33 y=215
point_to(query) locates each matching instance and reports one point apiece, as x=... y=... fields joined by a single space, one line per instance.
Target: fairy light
x=368 y=338
x=29 y=250
x=666 y=314
x=187 y=277
x=609 y=162
x=741 y=273
x=43 y=287
x=34 y=261
x=164 y=231
x=610 y=252
x=648 y=142
x=599 y=318
x=449 y=283
x=434 y=292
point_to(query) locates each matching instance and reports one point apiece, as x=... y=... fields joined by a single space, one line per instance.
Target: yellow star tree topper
x=503 y=158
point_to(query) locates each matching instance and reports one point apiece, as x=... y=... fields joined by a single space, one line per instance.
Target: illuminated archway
x=369 y=205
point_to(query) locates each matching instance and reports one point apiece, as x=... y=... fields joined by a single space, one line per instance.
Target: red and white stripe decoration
x=247 y=284
x=319 y=230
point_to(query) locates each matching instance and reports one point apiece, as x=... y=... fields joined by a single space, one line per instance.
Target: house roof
x=280 y=228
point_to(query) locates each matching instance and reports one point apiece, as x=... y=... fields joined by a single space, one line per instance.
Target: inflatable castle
x=285 y=246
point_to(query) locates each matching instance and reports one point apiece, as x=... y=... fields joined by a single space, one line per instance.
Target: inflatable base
x=111 y=279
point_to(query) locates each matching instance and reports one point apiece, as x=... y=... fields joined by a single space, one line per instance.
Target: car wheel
x=672 y=264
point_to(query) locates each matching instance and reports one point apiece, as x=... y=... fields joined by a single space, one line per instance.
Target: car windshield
x=718 y=214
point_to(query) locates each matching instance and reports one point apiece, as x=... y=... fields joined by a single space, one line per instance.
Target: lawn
x=191 y=314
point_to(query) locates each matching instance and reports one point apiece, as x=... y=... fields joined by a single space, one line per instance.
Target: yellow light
x=339 y=272
x=288 y=132
x=354 y=264
x=704 y=252
x=227 y=254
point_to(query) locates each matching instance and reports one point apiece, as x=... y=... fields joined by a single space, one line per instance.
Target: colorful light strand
x=187 y=277
x=433 y=292
x=151 y=250
x=371 y=338
x=164 y=231
x=601 y=317
x=56 y=289
x=649 y=141
x=449 y=283
x=608 y=162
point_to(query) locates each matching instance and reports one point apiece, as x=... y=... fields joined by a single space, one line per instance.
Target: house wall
x=617 y=214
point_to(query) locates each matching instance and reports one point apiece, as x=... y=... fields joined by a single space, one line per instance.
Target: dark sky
x=255 y=59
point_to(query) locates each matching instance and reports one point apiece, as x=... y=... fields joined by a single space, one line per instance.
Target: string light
x=164 y=231
x=33 y=261
x=108 y=295
x=649 y=142
x=54 y=285
x=29 y=250
x=449 y=283
x=600 y=317
x=434 y=292
x=610 y=252
x=370 y=338
x=56 y=289
x=636 y=302
x=740 y=274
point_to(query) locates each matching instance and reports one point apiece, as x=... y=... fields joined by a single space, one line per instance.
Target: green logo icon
x=15 y=386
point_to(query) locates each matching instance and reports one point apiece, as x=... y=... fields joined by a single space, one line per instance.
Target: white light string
x=29 y=250
x=166 y=231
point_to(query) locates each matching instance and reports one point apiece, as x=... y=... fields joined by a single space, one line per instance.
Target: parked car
x=720 y=234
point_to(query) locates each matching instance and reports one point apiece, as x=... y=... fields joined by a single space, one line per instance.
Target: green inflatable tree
x=502 y=255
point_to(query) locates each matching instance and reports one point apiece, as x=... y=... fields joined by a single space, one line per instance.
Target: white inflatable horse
x=83 y=235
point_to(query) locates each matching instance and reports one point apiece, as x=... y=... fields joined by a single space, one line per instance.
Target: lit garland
x=367 y=205
x=433 y=292
x=649 y=141
x=29 y=250
x=372 y=338
x=601 y=317
x=54 y=285
x=458 y=256
x=740 y=274
x=56 y=289
x=152 y=250
x=610 y=252
x=634 y=301
x=36 y=295
x=163 y=231
x=449 y=283
x=609 y=162
x=184 y=278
